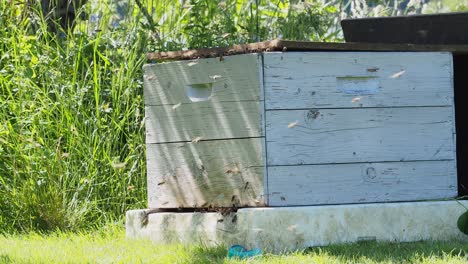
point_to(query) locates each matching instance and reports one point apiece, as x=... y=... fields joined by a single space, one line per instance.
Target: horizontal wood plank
x=220 y=173
x=203 y=120
x=357 y=79
x=288 y=45
x=233 y=78
x=359 y=135
x=361 y=183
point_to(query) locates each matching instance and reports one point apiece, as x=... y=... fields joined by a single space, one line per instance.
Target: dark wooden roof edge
x=448 y=14
x=287 y=45
x=272 y=45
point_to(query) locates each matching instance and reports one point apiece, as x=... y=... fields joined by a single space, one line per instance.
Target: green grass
x=110 y=246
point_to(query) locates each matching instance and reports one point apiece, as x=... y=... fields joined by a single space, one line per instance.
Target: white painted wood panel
x=361 y=183
x=219 y=173
x=231 y=78
x=357 y=79
x=359 y=135
x=205 y=120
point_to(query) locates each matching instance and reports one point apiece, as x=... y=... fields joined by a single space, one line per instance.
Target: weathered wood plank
x=282 y=45
x=205 y=120
x=357 y=79
x=233 y=78
x=359 y=135
x=361 y=183
x=220 y=173
x=263 y=124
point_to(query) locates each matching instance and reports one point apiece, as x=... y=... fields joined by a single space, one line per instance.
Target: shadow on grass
x=392 y=252
x=4 y=259
x=202 y=254
x=375 y=252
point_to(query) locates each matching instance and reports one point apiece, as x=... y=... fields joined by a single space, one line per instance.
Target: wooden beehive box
x=314 y=126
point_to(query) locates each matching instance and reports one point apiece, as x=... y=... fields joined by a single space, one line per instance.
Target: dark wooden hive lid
x=287 y=45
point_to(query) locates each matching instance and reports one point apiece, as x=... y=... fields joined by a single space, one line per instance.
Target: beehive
x=300 y=128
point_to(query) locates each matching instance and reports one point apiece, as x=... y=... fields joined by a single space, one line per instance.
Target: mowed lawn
x=110 y=246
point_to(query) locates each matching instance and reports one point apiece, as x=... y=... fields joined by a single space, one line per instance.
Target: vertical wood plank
x=263 y=125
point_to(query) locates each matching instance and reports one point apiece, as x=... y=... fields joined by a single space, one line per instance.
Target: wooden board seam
x=201 y=140
x=352 y=108
x=263 y=114
x=357 y=162
x=224 y=101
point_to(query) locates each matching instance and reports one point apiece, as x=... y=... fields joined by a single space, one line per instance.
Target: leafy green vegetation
x=71 y=130
x=72 y=152
x=110 y=246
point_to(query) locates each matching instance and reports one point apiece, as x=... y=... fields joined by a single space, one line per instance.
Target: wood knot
x=312 y=115
x=371 y=172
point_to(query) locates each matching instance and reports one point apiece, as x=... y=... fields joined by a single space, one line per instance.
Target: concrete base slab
x=290 y=228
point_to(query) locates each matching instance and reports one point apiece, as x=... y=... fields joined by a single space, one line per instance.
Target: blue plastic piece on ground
x=238 y=251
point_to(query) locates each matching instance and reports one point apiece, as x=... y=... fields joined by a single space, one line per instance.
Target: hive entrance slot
x=199 y=92
x=357 y=85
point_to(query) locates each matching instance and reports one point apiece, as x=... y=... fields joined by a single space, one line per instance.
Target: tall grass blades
x=71 y=133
